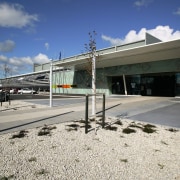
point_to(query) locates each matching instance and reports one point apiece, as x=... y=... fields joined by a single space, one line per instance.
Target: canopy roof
x=146 y=53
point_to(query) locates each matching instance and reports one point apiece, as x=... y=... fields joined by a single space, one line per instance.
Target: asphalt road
x=161 y=110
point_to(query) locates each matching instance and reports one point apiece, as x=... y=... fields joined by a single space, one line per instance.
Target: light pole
x=50 y=84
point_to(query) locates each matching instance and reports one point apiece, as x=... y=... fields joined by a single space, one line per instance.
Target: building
x=148 y=67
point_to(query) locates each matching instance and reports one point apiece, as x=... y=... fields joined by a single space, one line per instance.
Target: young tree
x=91 y=67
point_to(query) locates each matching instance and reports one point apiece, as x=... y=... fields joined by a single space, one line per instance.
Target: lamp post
x=50 y=84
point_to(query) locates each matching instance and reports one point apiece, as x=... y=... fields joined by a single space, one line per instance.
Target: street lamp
x=50 y=84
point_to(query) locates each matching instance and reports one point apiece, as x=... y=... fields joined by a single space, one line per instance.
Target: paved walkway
x=158 y=110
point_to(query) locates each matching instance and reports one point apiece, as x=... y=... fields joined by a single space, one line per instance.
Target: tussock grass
x=118 y=123
x=21 y=134
x=32 y=159
x=46 y=130
x=128 y=130
x=111 y=128
x=172 y=130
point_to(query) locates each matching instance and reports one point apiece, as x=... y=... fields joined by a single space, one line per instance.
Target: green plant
x=157 y=150
x=172 y=130
x=135 y=126
x=126 y=145
x=32 y=159
x=82 y=121
x=21 y=134
x=124 y=160
x=149 y=128
x=128 y=130
x=41 y=172
x=72 y=127
x=118 y=123
x=77 y=160
x=46 y=130
x=112 y=128
x=163 y=142
x=161 y=166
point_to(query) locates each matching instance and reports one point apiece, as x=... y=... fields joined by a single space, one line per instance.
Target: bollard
x=86 y=114
x=9 y=99
x=103 y=112
x=1 y=98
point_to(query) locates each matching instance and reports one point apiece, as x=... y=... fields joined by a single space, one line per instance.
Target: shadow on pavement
x=32 y=122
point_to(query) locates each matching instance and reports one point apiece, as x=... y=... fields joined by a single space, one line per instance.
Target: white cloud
x=177 y=12
x=22 y=64
x=22 y=61
x=164 y=33
x=46 y=46
x=41 y=58
x=141 y=3
x=3 y=59
x=13 y=15
x=113 y=41
x=7 y=46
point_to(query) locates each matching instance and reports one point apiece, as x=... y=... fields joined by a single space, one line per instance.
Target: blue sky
x=37 y=31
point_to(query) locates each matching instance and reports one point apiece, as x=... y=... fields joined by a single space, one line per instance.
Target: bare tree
x=91 y=67
x=90 y=50
x=6 y=70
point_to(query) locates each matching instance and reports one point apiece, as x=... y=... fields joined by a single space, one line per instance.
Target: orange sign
x=64 y=86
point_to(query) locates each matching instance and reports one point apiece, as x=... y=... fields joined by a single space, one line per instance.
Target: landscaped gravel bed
x=123 y=150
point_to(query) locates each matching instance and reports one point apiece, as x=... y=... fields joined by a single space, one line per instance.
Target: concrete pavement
x=157 y=110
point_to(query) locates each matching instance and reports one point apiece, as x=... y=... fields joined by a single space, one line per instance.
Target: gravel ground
x=68 y=153
x=19 y=105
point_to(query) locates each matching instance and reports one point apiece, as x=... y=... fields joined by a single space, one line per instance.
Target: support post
x=1 y=98
x=103 y=111
x=50 y=84
x=86 y=114
x=125 y=88
x=9 y=98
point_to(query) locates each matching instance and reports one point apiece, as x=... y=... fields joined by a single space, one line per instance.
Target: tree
x=6 y=70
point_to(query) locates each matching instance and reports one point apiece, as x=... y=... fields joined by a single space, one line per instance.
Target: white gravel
x=69 y=154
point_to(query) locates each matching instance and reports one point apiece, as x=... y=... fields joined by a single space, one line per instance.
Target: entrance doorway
x=158 y=84
x=132 y=85
x=118 y=85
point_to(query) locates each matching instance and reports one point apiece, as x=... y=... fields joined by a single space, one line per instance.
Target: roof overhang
x=148 y=53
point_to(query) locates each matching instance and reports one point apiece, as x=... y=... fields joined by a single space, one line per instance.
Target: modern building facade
x=148 y=67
